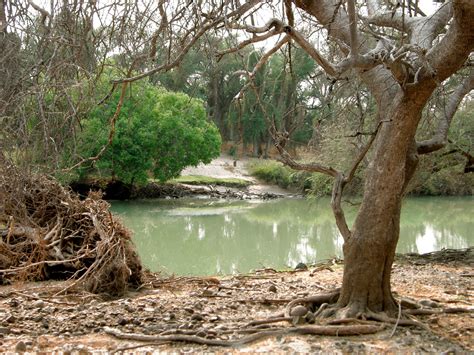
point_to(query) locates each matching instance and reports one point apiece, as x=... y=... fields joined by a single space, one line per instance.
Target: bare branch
x=249 y=41
x=3 y=16
x=341 y=181
x=280 y=141
x=355 y=164
x=207 y=25
x=259 y=65
x=289 y=13
x=440 y=139
x=423 y=31
x=308 y=48
x=338 y=212
x=43 y=12
x=272 y=23
x=444 y=58
x=353 y=28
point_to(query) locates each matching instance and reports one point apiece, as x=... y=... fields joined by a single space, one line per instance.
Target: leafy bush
x=276 y=173
x=157 y=133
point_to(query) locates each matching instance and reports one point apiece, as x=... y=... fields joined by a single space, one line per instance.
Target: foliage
x=279 y=174
x=157 y=132
x=448 y=181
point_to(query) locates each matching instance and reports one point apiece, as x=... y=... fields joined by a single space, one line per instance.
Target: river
x=207 y=237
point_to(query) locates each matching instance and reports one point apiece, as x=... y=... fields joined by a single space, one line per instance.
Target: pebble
x=14 y=302
x=429 y=303
x=49 y=309
x=214 y=318
x=272 y=288
x=301 y=266
x=4 y=330
x=38 y=304
x=201 y=334
x=197 y=317
x=20 y=347
x=298 y=311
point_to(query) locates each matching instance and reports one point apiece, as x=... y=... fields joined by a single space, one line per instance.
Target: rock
x=214 y=318
x=20 y=347
x=201 y=334
x=429 y=303
x=208 y=292
x=49 y=309
x=272 y=288
x=122 y=321
x=129 y=309
x=14 y=302
x=198 y=317
x=189 y=310
x=298 y=311
x=4 y=330
x=301 y=266
x=38 y=304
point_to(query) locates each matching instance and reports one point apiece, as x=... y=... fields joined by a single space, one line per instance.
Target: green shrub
x=158 y=133
x=276 y=173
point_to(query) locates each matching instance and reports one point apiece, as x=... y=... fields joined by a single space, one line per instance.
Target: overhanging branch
x=440 y=139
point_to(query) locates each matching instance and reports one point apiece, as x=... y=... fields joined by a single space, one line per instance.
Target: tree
x=401 y=63
x=157 y=133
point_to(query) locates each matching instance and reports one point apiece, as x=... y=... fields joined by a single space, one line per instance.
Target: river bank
x=35 y=318
x=231 y=180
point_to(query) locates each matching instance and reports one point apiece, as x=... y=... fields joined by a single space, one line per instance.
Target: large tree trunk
x=370 y=251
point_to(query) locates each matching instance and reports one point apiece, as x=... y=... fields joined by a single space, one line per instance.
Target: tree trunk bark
x=370 y=251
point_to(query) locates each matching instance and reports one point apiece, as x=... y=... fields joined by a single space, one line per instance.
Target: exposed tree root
x=325 y=307
x=269 y=321
x=46 y=232
x=381 y=317
x=329 y=330
x=313 y=301
x=428 y=311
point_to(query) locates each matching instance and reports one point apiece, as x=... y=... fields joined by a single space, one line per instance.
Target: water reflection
x=208 y=237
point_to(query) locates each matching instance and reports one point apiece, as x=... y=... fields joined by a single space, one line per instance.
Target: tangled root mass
x=47 y=232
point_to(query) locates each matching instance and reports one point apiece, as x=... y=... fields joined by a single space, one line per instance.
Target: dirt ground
x=223 y=167
x=35 y=318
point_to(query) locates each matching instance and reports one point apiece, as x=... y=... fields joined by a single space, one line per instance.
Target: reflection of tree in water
x=206 y=237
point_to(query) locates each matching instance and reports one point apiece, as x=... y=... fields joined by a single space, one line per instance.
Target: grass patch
x=207 y=180
x=276 y=173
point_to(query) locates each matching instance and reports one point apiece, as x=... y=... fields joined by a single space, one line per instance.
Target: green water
x=206 y=237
